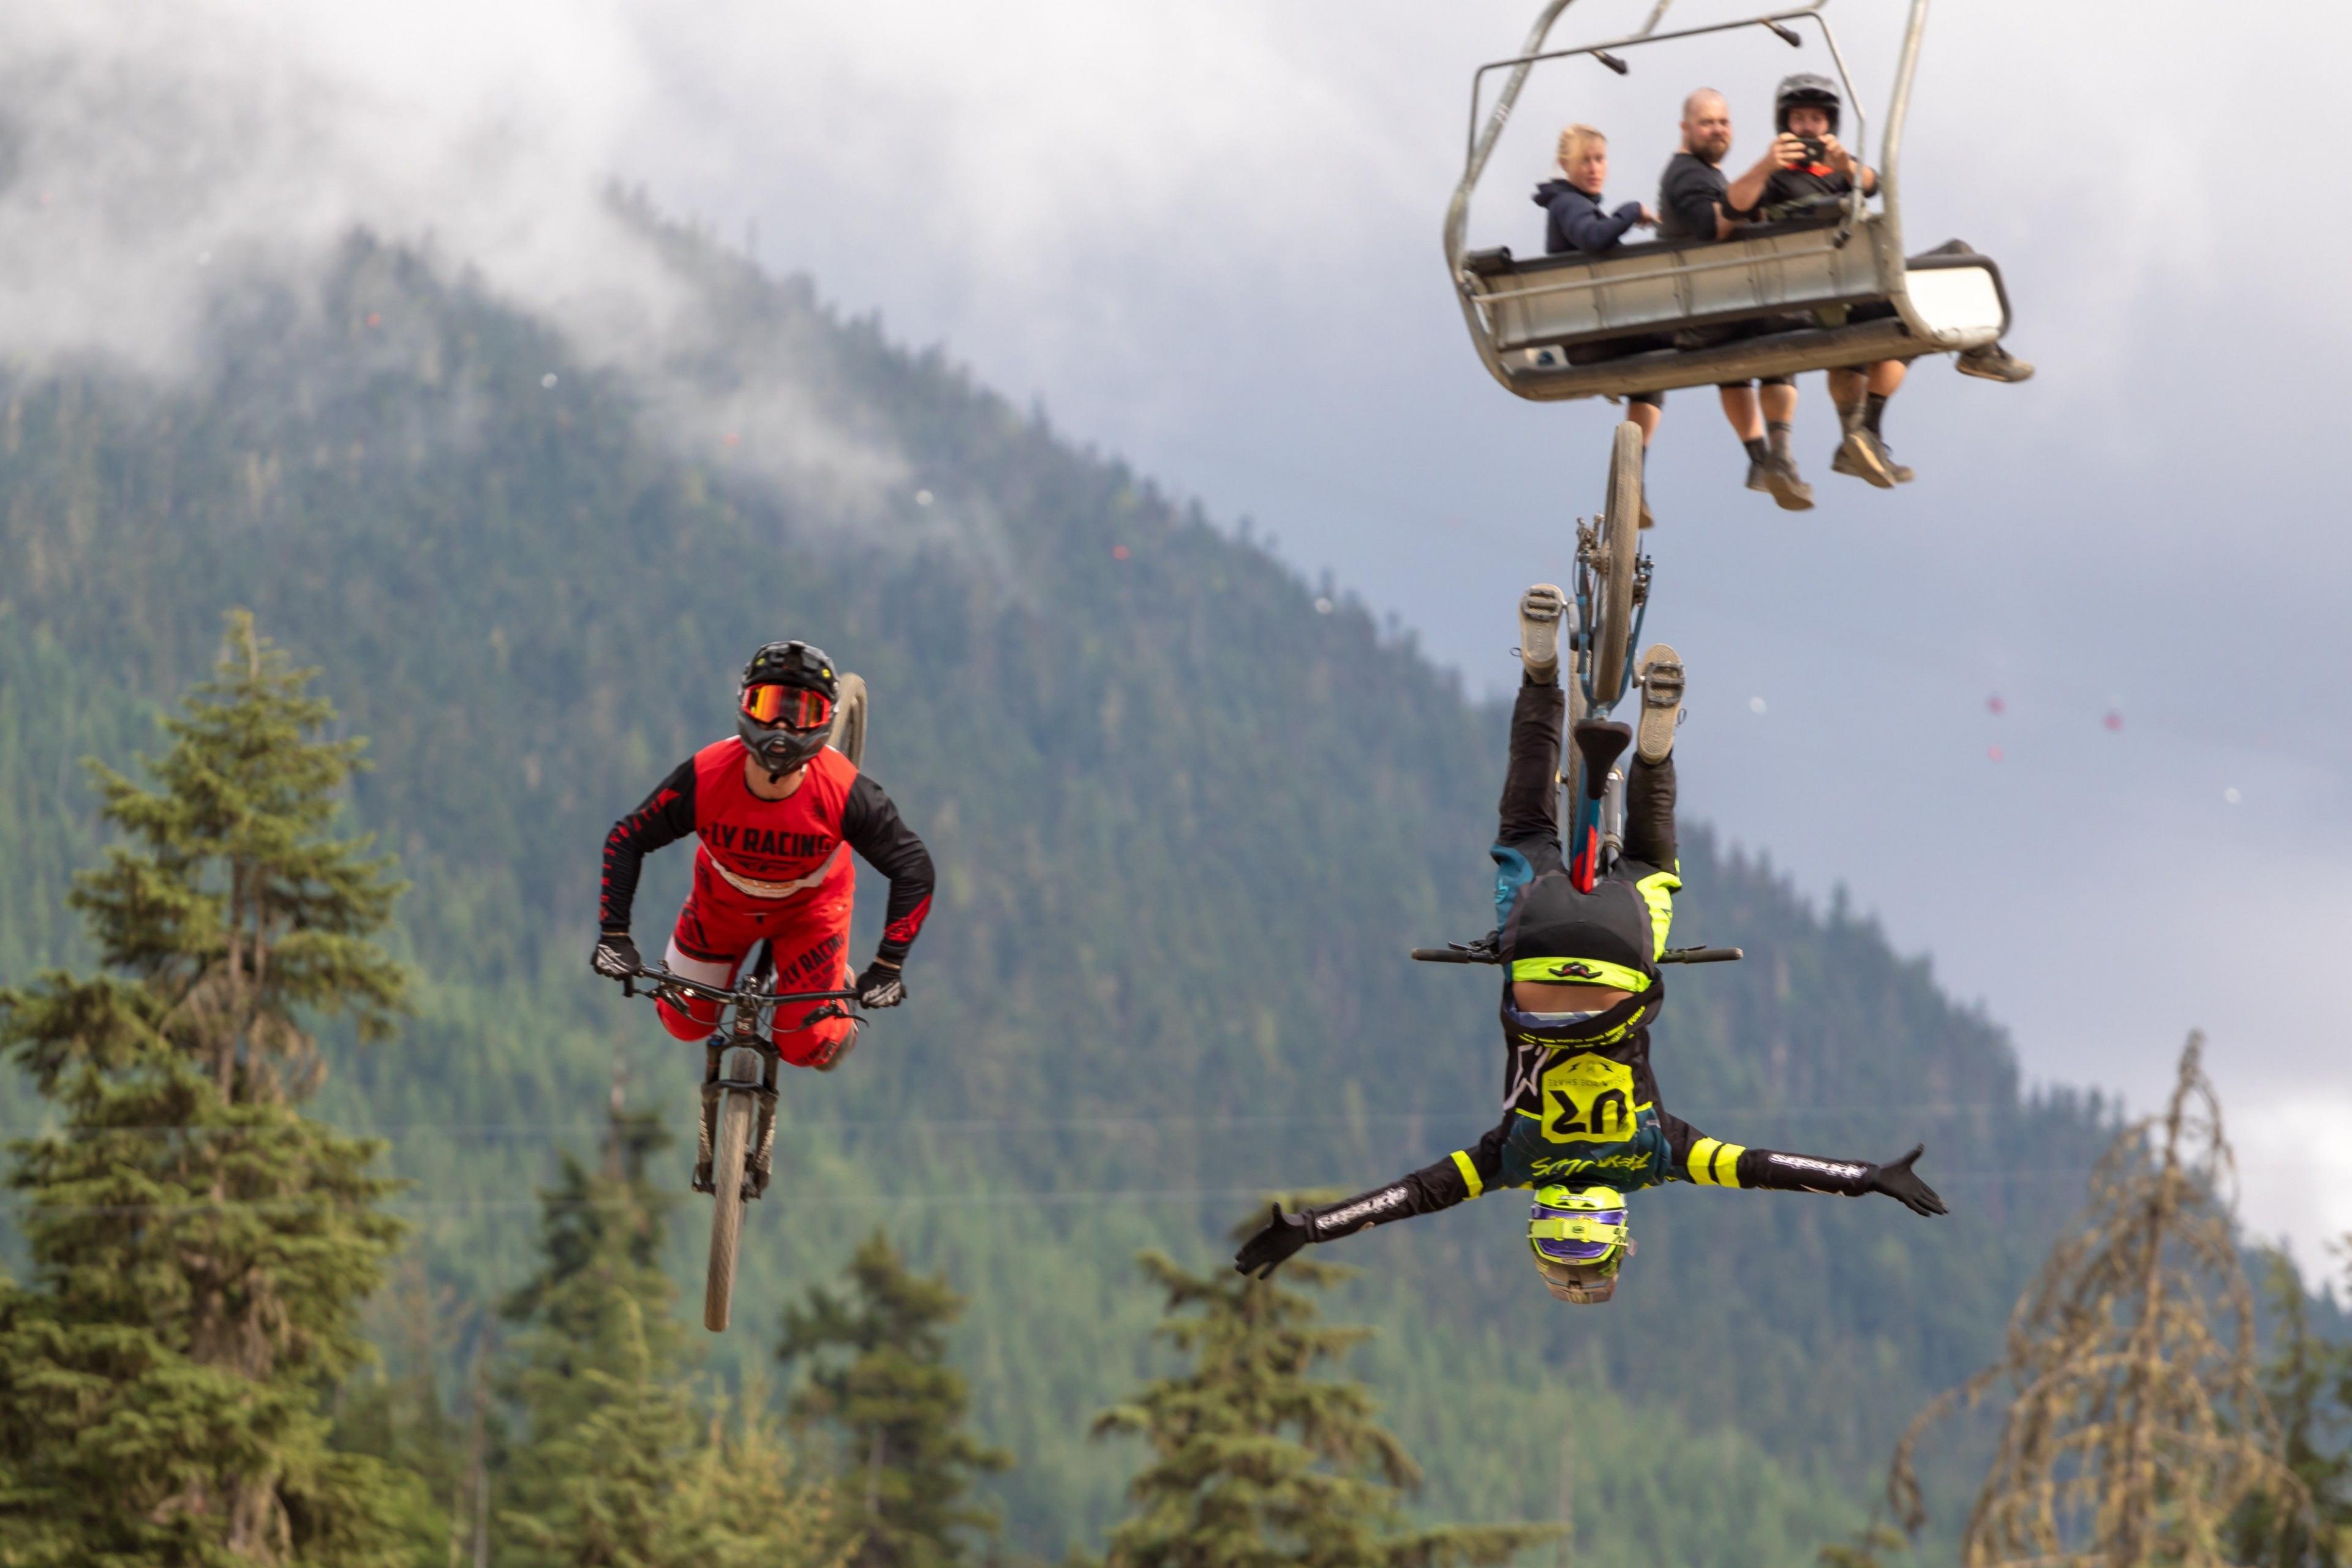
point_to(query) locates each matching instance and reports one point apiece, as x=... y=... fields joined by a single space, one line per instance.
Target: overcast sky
x=1206 y=237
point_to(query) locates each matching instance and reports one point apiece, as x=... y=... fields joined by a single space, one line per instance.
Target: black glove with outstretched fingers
x=1282 y=1235
x=880 y=985
x=615 y=957
x=1898 y=1181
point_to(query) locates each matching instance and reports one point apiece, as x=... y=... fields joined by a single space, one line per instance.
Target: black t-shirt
x=1808 y=189
x=1688 y=193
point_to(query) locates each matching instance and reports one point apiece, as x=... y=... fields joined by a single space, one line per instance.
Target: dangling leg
x=1645 y=409
x=1526 y=834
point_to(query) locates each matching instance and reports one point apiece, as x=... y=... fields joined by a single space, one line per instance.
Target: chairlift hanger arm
x=1519 y=65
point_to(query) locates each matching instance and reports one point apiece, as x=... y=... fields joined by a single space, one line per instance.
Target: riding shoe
x=1862 y=457
x=1781 y=480
x=1871 y=440
x=1994 y=362
x=1660 y=678
x=1541 y=608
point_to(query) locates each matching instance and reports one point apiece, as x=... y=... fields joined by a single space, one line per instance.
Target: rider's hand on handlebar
x=615 y=957
x=880 y=985
x=1899 y=1181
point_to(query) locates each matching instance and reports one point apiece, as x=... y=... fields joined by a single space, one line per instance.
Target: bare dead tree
x=2139 y=1423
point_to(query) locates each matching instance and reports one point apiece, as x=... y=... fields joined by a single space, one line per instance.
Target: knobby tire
x=1621 y=542
x=848 y=733
x=735 y=1117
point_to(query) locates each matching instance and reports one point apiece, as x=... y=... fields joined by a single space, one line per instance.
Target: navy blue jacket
x=1576 y=221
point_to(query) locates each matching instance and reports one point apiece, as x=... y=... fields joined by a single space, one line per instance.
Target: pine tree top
x=1259 y=1462
x=235 y=915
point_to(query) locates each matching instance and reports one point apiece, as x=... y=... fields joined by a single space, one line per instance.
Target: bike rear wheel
x=848 y=733
x=735 y=1117
x=1619 y=544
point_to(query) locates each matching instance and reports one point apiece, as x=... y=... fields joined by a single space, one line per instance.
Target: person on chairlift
x=1815 y=174
x=1575 y=219
x=1696 y=202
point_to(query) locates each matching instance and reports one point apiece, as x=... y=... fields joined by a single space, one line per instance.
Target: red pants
x=718 y=928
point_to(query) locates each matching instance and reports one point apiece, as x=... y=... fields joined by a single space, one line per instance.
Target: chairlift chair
x=1527 y=316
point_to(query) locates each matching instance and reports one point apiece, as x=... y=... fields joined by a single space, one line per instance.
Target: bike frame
x=1593 y=830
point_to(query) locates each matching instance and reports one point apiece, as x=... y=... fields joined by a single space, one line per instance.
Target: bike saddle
x=1600 y=741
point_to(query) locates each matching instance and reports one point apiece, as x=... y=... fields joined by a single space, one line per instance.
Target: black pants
x=1527 y=821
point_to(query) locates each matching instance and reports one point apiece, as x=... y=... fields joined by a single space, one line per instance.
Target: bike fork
x=763 y=1142
x=714 y=1053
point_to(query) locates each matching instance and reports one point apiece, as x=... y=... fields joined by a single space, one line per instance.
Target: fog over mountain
x=1207 y=238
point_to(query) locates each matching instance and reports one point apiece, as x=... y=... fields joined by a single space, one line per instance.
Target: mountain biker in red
x=773 y=806
x=1584 y=1120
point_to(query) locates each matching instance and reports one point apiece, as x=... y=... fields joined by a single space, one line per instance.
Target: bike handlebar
x=1671 y=956
x=665 y=978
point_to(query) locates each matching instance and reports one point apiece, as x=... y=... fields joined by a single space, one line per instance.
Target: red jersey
x=755 y=853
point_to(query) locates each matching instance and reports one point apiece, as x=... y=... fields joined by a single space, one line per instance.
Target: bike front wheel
x=1619 y=544
x=735 y=1117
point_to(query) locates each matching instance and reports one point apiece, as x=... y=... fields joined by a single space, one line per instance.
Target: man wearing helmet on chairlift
x=1582 y=1120
x=776 y=808
x=1816 y=173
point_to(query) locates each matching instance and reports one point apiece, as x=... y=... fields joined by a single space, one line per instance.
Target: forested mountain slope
x=1186 y=825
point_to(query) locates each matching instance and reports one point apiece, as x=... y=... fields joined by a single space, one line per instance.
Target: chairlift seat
x=1803 y=272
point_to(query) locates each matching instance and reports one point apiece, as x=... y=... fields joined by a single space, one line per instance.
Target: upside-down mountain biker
x=777 y=811
x=1582 y=1119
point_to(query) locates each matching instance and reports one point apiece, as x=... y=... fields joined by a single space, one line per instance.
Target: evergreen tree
x=619 y=1470
x=200 y=1248
x=1255 y=1462
x=601 y=1389
x=2140 y=1427
x=898 y=1406
x=394 y=1410
x=2309 y=1382
x=744 y=1506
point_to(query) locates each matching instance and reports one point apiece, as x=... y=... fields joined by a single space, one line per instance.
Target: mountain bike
x=737 y=1128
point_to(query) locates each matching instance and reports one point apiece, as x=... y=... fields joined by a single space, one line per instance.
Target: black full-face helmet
x=784 y=708
x=1806 y=90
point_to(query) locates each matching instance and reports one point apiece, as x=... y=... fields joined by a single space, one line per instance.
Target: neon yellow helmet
x=1581 y=1240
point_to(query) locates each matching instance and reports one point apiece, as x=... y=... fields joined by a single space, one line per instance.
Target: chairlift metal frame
x=1525 y=318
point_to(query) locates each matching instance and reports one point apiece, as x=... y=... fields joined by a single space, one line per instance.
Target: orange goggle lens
x=794 y=707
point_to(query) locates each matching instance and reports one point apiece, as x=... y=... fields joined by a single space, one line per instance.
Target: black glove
x=615 y=957
x=880 y=987
x=1282 y=1235
x=1899 y=1181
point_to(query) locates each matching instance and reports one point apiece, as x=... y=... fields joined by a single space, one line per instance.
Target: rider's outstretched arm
x=1711 y=1163
x=663 y=818
x=1463 y=1174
